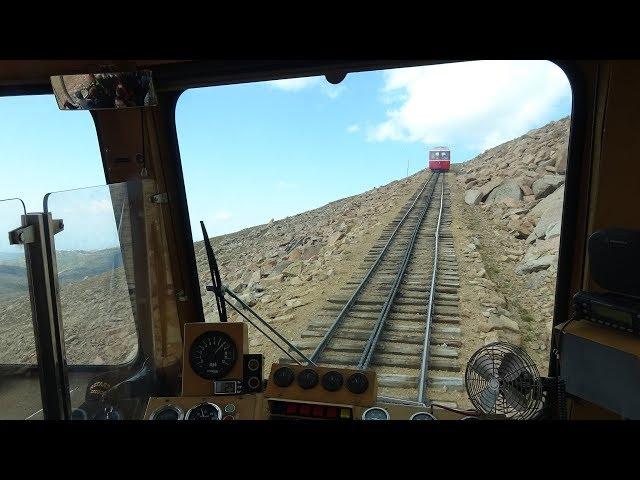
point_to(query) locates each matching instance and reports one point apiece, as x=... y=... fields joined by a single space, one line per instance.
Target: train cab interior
x=145 y=347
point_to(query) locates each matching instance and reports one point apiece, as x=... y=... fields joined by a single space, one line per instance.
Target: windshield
x=324 y=213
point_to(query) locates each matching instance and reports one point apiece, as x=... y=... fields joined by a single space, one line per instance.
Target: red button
x=292 y=409
x=332 y=412
x=318 y=411
x=305 y=410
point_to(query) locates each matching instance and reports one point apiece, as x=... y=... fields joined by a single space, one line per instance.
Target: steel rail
x=369 y=348
x=329 y=335
x=424 y=367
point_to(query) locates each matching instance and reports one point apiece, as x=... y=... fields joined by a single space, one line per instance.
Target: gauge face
x=375 y=413
x=307 y=378
x=357 y=383
x=204 y=411
x=422 y=416
x=332 y=381
x=168 y=412
x=213 y=355
x=283 y=377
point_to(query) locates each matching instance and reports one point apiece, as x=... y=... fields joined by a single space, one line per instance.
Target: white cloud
x=480 y=104
x=295 y=84
x=353 y=128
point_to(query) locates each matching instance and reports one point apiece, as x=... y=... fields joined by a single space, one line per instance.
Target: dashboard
x=221 y=381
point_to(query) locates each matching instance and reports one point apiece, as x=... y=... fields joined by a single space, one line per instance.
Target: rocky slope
x=518 y=189
x=520 y=184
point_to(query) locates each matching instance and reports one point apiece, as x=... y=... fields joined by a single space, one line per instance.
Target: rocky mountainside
x=509 y=201
x=520 y=184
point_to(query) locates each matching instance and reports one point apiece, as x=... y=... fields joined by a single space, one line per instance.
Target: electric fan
x=502 y=379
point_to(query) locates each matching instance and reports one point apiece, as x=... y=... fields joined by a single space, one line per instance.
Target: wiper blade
x=215 y=276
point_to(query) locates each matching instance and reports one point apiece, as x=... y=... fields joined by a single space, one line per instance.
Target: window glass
x=45 y=149
x=301 y=183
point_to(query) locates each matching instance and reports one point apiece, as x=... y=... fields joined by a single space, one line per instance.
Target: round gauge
x=422 y=416
x=332 y=381
x=167 y=412
x=283 y=377
x=307 y=378
x=253 y=364
x=204 y=411
x=79 y=414
x=357 y=383
x=375 y=413
x=213 y=355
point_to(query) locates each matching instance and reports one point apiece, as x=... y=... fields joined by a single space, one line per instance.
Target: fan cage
x=520 y=391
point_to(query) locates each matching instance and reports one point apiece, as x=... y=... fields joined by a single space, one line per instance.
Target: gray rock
x=487 y=187
x=551 y=217
x=546 y=185
x=530 y=266
x=503 y=323
x=553 y=230
x=561 y=161
x=550 y=201
x=473 y=197
x=507 y=189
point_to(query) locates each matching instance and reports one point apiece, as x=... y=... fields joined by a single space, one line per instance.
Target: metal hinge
x=58 y=225
x=21 y=235
x=160 y=198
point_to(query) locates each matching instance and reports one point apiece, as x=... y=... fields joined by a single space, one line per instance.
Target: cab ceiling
x=23 y=77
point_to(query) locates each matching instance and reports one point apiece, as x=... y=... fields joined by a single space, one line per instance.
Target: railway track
x=387 y=314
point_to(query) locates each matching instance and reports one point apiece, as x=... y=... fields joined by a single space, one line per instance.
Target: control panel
x=231 y=407
x=335 y=386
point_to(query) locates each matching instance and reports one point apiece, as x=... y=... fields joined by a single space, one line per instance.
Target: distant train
x=440 y=159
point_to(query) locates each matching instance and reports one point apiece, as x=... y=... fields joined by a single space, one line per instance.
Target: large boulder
x=509 y=189
x=549 y=221
x=551 y=201
x=530 y=266
x=490 y=185
x=546 y=184
x=561 y=161
x=473 y=197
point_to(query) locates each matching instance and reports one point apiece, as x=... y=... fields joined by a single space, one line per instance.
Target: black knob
x=332 y=381
x=357 y=383
x=283 y=377
x=307 y=378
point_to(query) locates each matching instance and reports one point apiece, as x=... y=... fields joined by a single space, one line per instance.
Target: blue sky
x=253 y=152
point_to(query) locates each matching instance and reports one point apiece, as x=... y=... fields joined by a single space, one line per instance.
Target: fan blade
x=488 y=399
x=514 y=398
x=510 y=366
x=484 y=366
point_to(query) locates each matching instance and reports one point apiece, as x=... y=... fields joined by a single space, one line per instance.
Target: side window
x=44 y=149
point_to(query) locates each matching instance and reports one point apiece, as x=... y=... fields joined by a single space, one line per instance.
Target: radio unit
x=610 y=310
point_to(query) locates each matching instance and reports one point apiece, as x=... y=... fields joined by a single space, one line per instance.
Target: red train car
x=440 y=159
